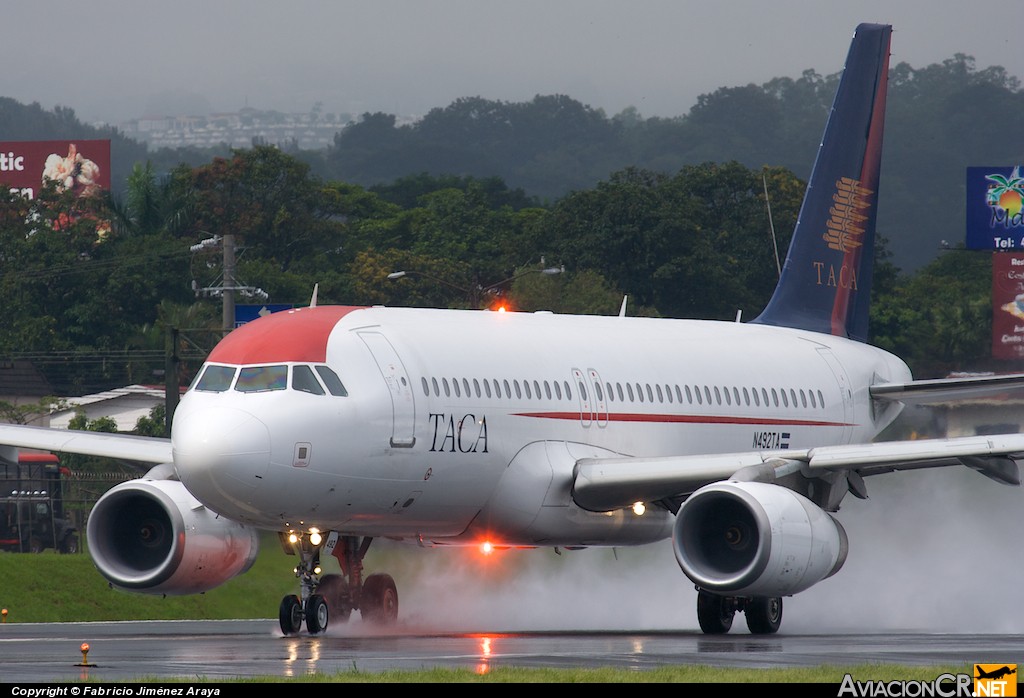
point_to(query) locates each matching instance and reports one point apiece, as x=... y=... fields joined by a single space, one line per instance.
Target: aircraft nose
x=221 y=454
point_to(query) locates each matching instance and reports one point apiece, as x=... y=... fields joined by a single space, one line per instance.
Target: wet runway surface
x=145 y=650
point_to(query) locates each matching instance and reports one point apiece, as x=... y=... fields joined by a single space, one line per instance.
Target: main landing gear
x=334 y=596
x=715 y=613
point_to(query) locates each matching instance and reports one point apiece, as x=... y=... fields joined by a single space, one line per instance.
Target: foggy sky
x=119 y=59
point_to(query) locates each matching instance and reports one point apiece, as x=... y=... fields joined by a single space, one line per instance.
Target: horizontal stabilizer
x=923 y=392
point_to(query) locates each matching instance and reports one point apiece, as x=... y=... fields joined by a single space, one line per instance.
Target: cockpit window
x=259 y=378
x=216 y=379
x=331 y=380
x=304 y=380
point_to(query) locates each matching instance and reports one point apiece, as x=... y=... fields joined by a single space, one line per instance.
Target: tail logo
x=847 y=215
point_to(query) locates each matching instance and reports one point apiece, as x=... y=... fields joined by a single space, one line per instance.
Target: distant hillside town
x=308 y=131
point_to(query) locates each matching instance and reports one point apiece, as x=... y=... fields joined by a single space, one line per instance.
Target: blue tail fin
x=826 y=282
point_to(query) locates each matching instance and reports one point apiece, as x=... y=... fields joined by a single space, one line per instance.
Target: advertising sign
x=994 y=200
x=1008 y=305
x=248 y=313
x=82 y=166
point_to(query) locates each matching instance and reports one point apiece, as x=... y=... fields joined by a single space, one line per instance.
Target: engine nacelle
x=756 y=539
x=152 y=536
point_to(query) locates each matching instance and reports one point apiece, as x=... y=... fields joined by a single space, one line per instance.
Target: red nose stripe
x=289 y=335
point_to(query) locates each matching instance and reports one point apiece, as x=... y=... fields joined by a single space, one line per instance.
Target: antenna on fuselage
x=622 y=308
x=312 y=301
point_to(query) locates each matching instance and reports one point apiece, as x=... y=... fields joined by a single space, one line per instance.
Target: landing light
x=314 y=537
x=486 y=547
x=639 y=508
x=293 y=538
x=318 y=570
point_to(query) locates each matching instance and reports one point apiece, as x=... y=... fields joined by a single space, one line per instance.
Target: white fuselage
x=439 y=403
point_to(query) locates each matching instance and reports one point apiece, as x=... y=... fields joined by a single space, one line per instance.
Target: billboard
x=994 y=200
x=248 y=313
x=1008 y=305
x=82 y=166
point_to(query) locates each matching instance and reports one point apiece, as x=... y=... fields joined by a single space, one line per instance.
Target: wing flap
x=143 y=449
x=604 y=484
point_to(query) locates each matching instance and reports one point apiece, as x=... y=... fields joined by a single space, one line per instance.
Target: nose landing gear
x=334 y=596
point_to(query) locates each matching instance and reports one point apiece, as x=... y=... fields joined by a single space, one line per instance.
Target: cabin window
x=216 y=379
x=757 y=397
x=455 y=387
x=437 y=390
x=618 y=390
x=599 y=392
x=803 y=398
x=536 y=389
x=639 y=392
x=661 y=396
x=689 y=396
x=568 y=390
x=814 y=402
x=465 y=387
x=497 y=388
x=519 y=392
x=728 y=397
x=255 y=379
x=775 y=397
x=746 y=397
x=426 y=386
x=334 y=385
x=447 y=388
x=487 y=387
x=476 y=387
x=821 y=399
x=558 y=391
x=303 y=380
x=547 y=389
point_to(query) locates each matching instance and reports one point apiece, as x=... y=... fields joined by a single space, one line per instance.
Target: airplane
x=995 y=674
x=737 y=441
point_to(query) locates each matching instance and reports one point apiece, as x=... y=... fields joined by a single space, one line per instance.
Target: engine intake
x=756 y=539
x=152 y=536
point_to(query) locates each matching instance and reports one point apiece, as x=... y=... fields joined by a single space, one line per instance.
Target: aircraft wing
x=143 y=449
x=922 y=392
x=603 y=484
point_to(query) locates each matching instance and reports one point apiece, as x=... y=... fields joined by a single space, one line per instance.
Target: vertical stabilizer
x=826 y=280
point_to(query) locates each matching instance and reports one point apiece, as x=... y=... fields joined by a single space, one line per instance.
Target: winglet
x=826 y=280
x=312 y=301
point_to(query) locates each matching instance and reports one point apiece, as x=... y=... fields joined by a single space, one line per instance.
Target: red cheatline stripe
x=684 y=419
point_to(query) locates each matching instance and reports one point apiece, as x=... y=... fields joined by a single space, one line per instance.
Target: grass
x=49 y=587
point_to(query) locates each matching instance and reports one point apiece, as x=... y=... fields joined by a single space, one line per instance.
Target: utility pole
x=228 y=294
x=171 y=387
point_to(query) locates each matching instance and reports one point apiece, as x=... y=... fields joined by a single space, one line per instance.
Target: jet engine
x=756 y=539
x=152 y=536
